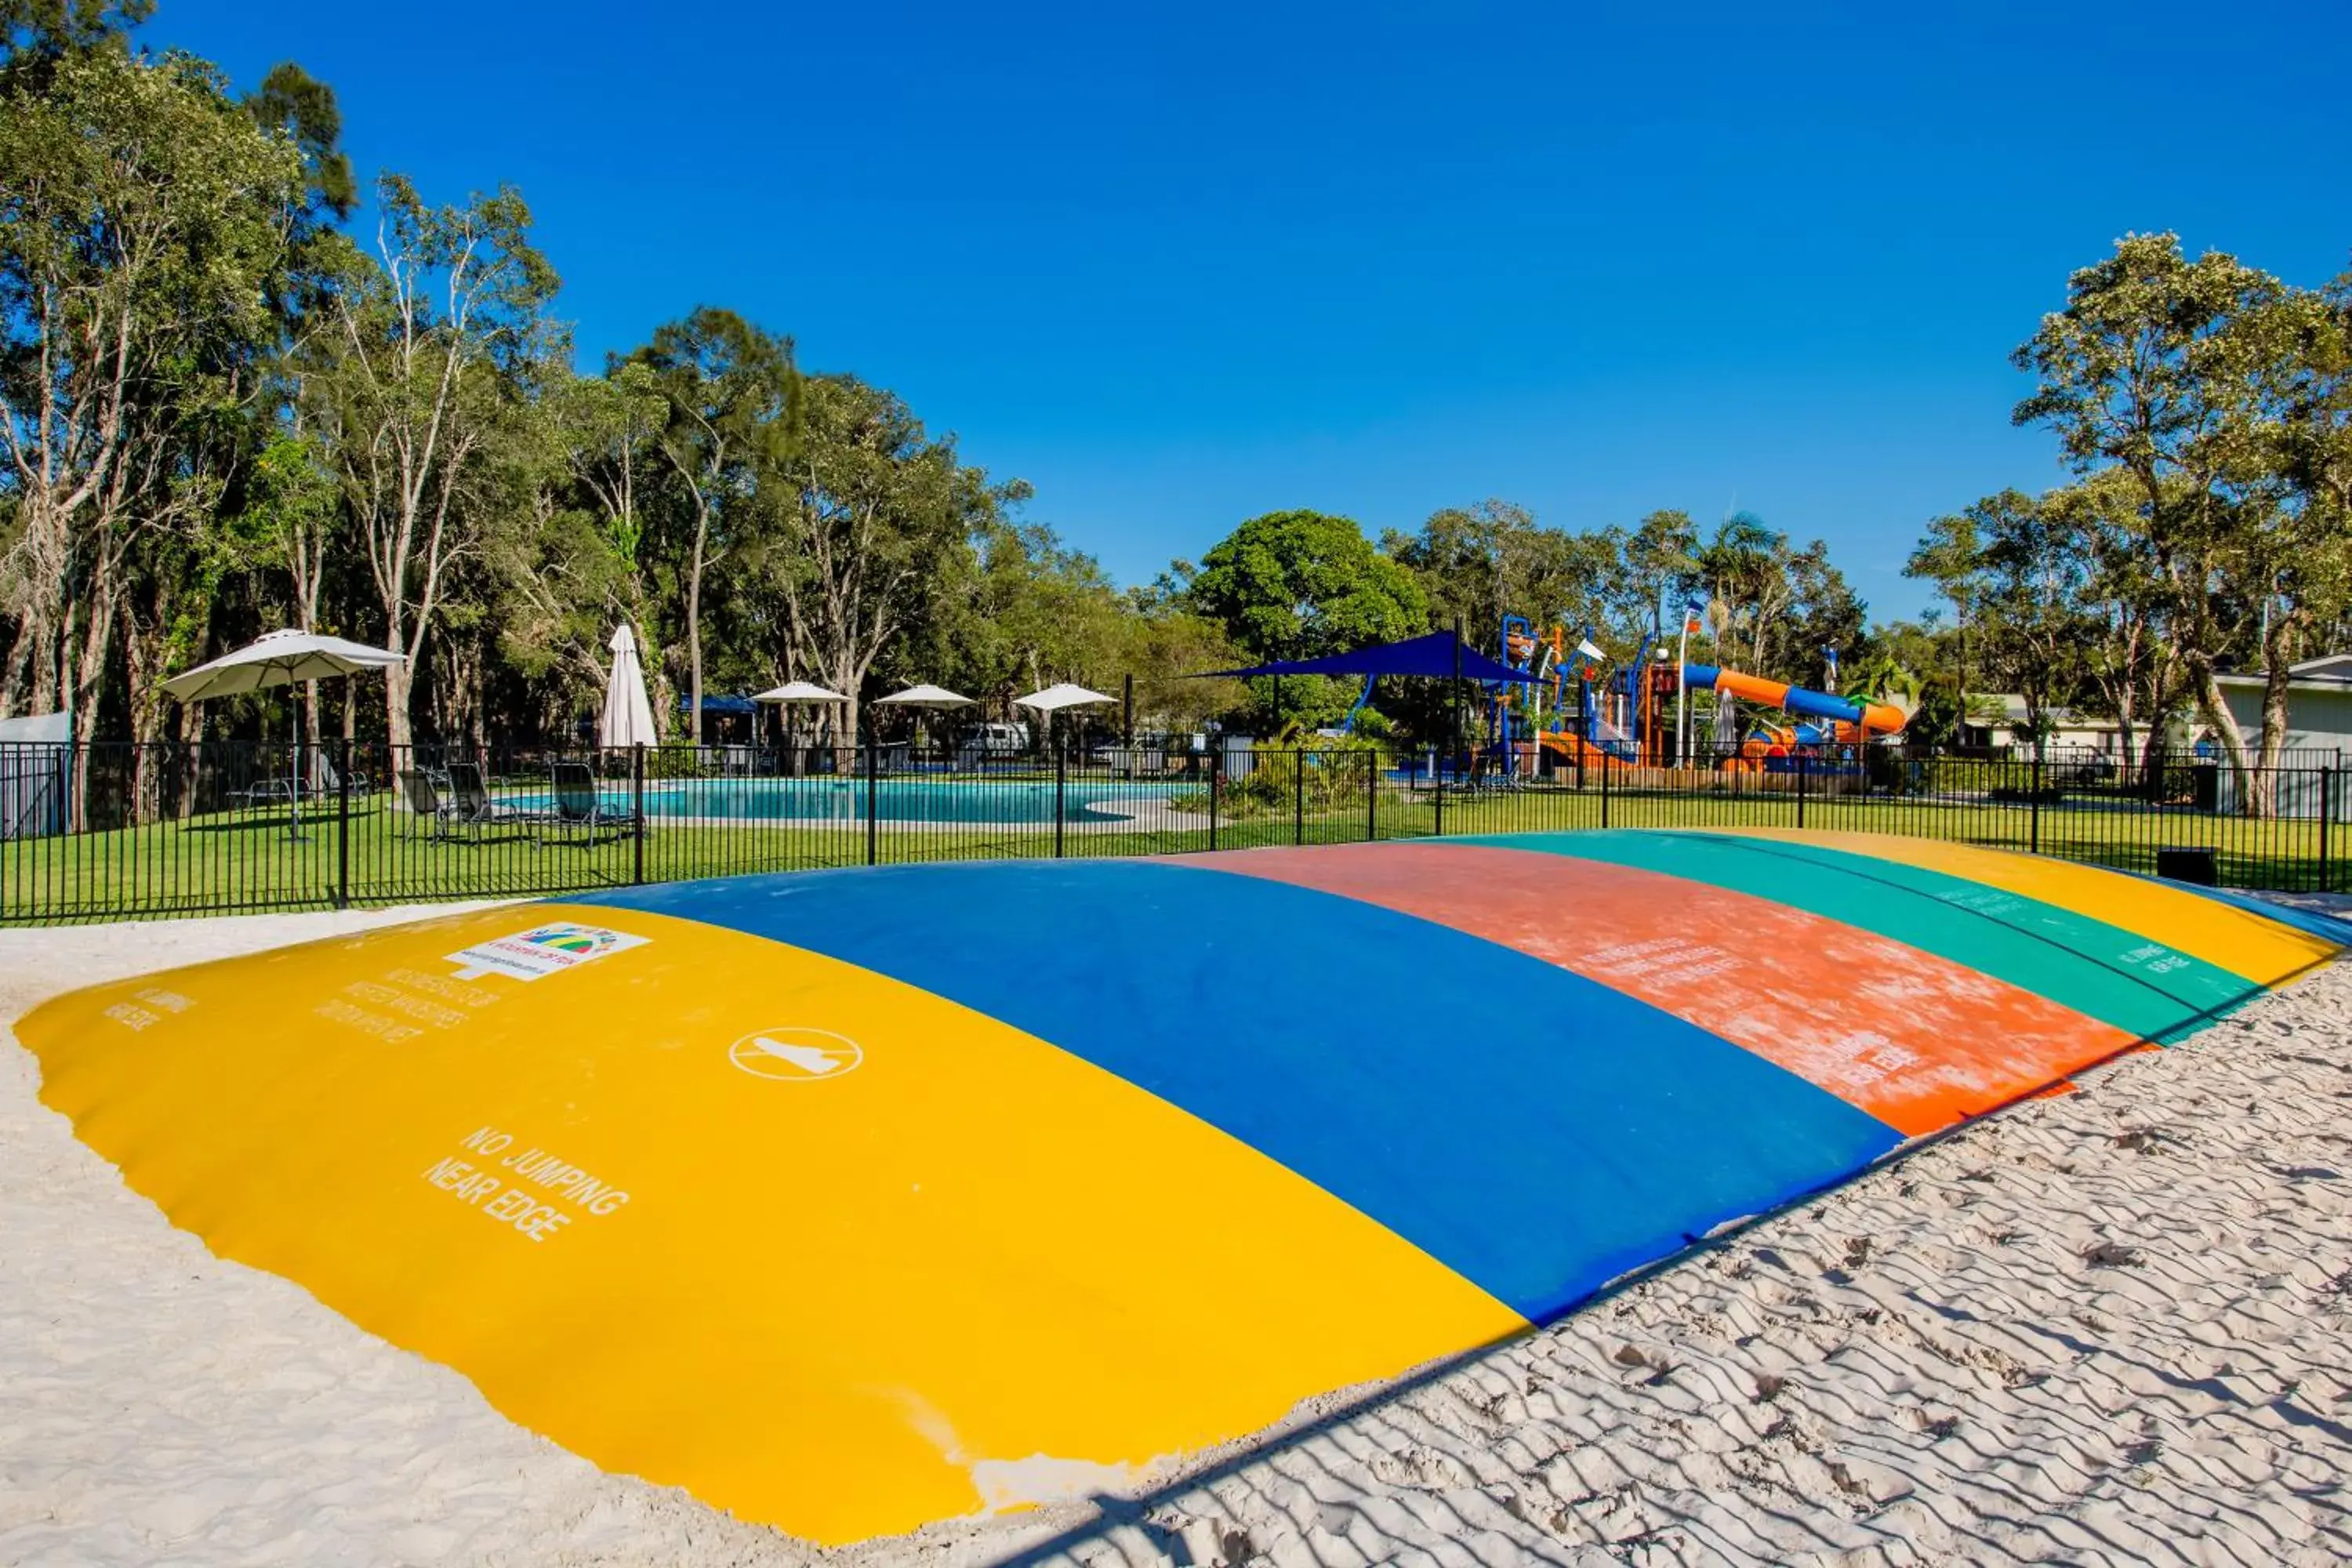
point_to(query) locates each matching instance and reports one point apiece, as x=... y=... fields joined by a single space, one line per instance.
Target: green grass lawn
x=248 y=860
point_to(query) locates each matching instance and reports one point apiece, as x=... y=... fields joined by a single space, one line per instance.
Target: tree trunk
x=845 y=753
x=189 y=726
x=2279 y=641
x=694 y=625
x=2151 y=761
x=88 y=681
x=2215 y=710
x=16 y=677
x=396 y=712
x=46 y=643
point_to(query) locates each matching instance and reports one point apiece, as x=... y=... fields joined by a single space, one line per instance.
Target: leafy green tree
x=733 y=394
x=1662 y=564
x=2151 y=369
x=1033 y=612
x=1300 y=584
x=2130 y=670
x=2022 y=571
x=860 y=526
x=434 y=339
x=141 y=216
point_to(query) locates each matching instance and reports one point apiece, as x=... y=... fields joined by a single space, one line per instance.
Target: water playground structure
x=1584 y=715
x=846 y=1200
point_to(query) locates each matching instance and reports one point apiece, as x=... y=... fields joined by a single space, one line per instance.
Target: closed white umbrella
x=628 y=717
x=282 y=658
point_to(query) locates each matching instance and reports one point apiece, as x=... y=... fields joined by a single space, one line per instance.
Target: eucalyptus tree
x=573 y=563
x=2299 y=549
x=733 y=400
x=2131 y=669
x=2024 y=574
x=2151 y=369
x=142 y=216
x=859 y=525
x=433 y=339
x=1662 y=564
x=1033 y=612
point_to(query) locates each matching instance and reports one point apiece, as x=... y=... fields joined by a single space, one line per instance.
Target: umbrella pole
x=293 y=770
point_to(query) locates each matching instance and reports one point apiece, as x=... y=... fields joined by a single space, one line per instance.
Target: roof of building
x=2329 y=672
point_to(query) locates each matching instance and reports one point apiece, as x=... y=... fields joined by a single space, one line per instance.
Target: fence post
x=873 y=795
x=2327 y=811
x=1372 y=797
x=1299 y=796
x=2033 y=796
x=1800 y=789
x=1438 y=774
x=1216 y=771
x=637 y=811
x=343 y=830
x=1061 y=788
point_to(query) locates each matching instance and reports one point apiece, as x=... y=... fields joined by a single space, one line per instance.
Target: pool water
x=895 y=800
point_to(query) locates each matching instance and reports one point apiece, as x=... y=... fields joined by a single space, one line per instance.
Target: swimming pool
x=1007 y=801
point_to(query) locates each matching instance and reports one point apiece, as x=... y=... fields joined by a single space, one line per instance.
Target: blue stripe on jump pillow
x=1531 y=1129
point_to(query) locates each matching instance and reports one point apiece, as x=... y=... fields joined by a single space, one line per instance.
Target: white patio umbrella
x=628 y=717
x=279 y=658
x=800 y=691
x=1055 y=698
x=282 y=658
x=792 y=691
x=924 y=697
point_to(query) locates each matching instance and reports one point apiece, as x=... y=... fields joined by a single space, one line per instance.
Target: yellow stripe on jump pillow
x=2265 y=951
x=826 y=1248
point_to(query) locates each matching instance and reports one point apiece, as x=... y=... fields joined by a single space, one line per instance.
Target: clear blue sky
x=1177 y=265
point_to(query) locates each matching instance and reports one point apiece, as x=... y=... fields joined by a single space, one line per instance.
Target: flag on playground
x=1586 y=651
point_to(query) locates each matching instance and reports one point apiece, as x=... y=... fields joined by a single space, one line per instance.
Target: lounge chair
x=580 y=805
x=431 y=808
x=326 y=784
x=472 y=806
x=275 y=788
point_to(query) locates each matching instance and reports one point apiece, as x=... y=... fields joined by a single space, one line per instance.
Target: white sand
x=2110 y=1327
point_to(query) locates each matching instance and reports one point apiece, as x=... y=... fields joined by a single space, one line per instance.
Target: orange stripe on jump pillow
x=1915 y=1041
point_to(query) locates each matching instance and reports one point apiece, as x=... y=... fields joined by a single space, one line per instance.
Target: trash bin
x=2196 y=866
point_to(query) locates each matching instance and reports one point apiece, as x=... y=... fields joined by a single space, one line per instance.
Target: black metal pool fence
x=107 y=831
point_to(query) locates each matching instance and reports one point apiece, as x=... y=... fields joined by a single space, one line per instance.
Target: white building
x=2070 y=732
x=2318 y=707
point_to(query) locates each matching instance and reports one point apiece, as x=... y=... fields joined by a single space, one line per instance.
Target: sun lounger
x=432 y=810
x=473 y=808
x=581 y=806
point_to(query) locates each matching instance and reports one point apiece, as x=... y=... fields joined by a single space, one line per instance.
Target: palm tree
x=1884 y=678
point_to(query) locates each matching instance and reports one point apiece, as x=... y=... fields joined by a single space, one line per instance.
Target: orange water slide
x=1854 y=721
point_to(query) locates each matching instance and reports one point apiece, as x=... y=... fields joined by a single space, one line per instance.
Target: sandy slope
x=2111 y=1326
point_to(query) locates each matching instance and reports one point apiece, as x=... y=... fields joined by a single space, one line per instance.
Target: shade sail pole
x=1454 y=693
